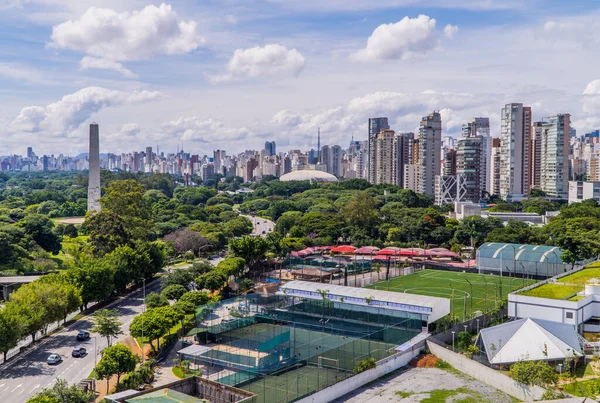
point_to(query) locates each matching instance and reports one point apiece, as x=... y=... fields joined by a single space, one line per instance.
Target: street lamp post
x=453 y=340
x=477 y=320
x=388 y=272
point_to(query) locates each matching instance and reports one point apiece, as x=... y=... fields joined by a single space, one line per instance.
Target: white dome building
x=308 y=175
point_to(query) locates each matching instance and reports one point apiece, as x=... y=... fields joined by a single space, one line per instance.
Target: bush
x=196 y=298
x=364 y=365
x=441 y=364
x=464 y=340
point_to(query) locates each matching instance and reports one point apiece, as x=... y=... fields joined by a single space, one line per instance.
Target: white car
x=54 y=359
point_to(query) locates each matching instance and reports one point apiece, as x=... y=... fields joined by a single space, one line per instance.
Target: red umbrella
x=408 y=252
x=389 y=251
x=343 y=249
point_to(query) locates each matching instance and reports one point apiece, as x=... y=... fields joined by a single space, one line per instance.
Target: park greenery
x=149 y=221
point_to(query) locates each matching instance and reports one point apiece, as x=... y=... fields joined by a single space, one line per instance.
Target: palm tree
x=324 y=296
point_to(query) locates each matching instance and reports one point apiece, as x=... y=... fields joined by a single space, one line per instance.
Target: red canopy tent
x=343 y=249
x=408 y=252
x=389 y=251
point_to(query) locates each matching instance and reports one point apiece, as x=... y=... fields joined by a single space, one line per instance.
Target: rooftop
x=166 y=396
x=336 y=291
x=308 y=175
x=519 y=252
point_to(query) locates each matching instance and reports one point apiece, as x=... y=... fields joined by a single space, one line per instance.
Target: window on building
x=569 y=315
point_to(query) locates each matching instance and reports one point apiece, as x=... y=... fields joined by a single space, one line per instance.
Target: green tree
x=40 y=229
x=107 y=324
x=116 y=360
x=128 y=265
x=154 y=300
x=62 y=392
x=174 y=291
x=10 y=329
x=107 y=232
x=361 y=213
x=154 y=323
x=212 y=281
x=196 y=298
x=126 y=199
x=251 y=249
x=533 y=373
x=94 y=279
x=43 y=399
x=245 y=285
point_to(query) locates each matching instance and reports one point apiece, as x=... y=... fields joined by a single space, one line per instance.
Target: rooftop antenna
x=318 y=138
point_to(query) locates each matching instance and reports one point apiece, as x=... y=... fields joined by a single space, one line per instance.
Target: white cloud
x=356 y=5
x=74 y=109
x=20 y=72
x=112 y=37
x=450 y=31
x=402 y=40
x=89 y=62
x=269 y=60
x=203 y=130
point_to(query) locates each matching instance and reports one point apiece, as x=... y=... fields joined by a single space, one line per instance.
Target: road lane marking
x=36 y=386
x=16 y=387
x=2 y=385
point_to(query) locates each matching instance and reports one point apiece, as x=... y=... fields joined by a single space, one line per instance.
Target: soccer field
x=441 y=283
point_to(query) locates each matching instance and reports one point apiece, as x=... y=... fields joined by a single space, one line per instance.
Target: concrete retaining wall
x=486 y=375
x=346 y=386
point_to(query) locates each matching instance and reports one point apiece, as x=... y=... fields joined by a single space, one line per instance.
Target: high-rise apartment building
x=449 y=163
x=515 y=134
x=555 y=156
x=218 y=160
x=270 y=148
x=335 y=160
x=385 y=161
x=535 y=156
x=473 y=158
x=149 y=159
x=430 y=149
x=470 y=164
x=376 y=125
x=30 y=153
x=495 y=167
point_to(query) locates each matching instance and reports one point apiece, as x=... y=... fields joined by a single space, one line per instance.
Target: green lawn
x=440 y=283
x=589 y=388
x=553 y=291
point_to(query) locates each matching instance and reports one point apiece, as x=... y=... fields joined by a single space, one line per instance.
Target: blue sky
x=232 y=74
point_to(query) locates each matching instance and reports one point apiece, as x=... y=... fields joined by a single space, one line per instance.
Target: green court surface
x=445 y=284
x=290 y=385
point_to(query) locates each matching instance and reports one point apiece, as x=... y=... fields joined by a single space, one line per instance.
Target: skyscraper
x=270 y=148
x=30 y=153
x=473 y=158
x=430 y=149
x=376 y=125
x=219 y=159
x=335 y=160
x=94 y=169
x=149 y=159
x=535 y=156
x=555 y=156
x=515 y=134
x=385 y=161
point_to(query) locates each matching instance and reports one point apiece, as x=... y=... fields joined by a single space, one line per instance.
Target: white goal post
x=335 y=361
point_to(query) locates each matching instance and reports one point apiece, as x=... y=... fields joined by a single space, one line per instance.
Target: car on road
x=79 y=352
x=264 y=232
x=213 y=257
x=83 y=336
x=227 y=320
x=265 y=221
x=54 y=359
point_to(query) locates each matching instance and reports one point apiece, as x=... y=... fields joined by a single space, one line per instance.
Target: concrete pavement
x=29 y=374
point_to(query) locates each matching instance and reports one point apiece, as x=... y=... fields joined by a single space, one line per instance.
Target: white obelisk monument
x=94 y=169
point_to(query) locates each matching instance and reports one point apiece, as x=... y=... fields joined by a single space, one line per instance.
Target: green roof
x=166 y=396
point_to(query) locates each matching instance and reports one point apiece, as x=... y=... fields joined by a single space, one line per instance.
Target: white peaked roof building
x=530 y=340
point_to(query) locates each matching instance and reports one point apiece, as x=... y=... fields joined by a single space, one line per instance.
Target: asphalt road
x=30 y=373
x=262 y=226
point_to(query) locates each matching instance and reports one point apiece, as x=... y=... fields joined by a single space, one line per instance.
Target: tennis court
x=487 y=290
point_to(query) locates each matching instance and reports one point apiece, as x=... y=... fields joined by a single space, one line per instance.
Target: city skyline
x=206 y=82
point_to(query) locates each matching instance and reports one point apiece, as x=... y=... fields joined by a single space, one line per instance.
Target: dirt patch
x=424 y=361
